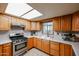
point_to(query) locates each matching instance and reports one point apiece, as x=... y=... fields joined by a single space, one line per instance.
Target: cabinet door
x=45 y=46
x=6 y=48
x=68 y=50
x=54 y=45
x=4 y=22
x=54 y=48
x=33 y=26
x=62 y=53
x=30 y=43
x=75 y=22
x=0 y=50
x=35 y=42
x=28 y=26
x=56 y=24
x=66 y=23
x=39 y=44
x=38 y=25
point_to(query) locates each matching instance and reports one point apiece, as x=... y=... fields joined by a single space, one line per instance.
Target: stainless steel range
x=19 y=44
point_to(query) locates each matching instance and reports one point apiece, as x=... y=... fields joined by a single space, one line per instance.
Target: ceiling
x=3 y=7
x=49 y=10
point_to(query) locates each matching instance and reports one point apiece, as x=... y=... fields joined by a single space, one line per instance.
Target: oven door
x=20 y=46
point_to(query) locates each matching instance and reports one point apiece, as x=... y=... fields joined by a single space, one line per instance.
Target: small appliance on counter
x=69 y=37
x=33 y=33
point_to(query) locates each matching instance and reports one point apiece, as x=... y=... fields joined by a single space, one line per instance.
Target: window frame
x=47 y=28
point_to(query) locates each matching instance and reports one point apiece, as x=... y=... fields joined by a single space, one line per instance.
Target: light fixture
x=17 y=9
x=32 y=14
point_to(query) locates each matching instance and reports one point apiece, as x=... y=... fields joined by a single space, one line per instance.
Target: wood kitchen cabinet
x=45 y=46
x=39 y=44
x=60 y=49
x=28 y=26
x=56 y=24
x=63 y=23
x=30 y=43
x=75 y=22
x=66 y=23
x=50 y=47
x=35 y=26
x=38 y=25
x=0 y=50
x=66 y=50
x=6 y=49
x=4 y=22
x=20 y=21
x=54 y=48
x=35 y=42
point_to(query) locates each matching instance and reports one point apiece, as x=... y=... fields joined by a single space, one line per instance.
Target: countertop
x=4 y=40
x=75 y=45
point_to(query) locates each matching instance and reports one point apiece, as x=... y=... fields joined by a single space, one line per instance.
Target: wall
x=5 y=34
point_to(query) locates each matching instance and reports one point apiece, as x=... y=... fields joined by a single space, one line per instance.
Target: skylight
x=17 y=9
x=22 y=10
x=32 y=14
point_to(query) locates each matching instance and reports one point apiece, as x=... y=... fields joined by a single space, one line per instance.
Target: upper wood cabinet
x=35 y=26
x=56 y=24
x=66 y=23
x=38 y=25
x=75 y=22
x=5 y=24
x=63 y=23
x=28 y=25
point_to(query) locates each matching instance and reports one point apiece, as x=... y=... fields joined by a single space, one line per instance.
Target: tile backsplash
x=6 y=33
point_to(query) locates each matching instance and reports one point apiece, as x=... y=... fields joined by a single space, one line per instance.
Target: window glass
x=48 y=28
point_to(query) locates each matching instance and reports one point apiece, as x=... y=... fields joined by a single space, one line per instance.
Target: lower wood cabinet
x=66 y=50
x=45 y=46
x=0 y=50
x=35 y=42
x=5 y=50
x=54 y=48
x=30 y=43
x=60 y=49
x=39 y=44
x=50 y=47
x=62 y=53
x=54 y=52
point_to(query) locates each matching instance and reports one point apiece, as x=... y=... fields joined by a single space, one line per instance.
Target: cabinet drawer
x=54 y=52
x=54 y=45
x=7 y=45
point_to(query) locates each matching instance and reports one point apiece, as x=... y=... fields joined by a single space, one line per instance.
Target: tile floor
x=35 y=52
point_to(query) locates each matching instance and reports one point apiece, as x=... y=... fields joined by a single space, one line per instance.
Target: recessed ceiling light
x=17 y=9
x=32 y=14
